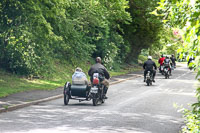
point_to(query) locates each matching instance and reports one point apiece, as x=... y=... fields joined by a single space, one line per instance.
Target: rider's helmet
x=98 y=60
x=78 y=69
x=167 y=56
x=172 y=55
x=149 y=58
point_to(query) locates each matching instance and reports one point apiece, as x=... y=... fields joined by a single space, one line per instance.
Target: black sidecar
x=78 y=91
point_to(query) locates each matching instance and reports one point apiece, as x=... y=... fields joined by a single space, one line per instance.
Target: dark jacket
x=99 y=68
x=149 y=64
x=173 y=59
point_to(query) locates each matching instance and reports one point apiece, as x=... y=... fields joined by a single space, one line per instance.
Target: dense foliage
x=33 y=33
x=185 y=16
x=37 y=34
x=145 y=31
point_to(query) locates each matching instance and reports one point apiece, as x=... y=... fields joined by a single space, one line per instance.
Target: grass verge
x=11 y=83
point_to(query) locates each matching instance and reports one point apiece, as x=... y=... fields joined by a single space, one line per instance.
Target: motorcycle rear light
x=95 y=81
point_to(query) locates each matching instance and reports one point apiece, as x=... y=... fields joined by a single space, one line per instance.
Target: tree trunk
x=150 y=51
x=133 y=55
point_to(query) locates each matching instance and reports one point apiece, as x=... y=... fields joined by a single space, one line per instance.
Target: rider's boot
x=144 y=79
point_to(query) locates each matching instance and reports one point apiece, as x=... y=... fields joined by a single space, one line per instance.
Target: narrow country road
x=132 y=107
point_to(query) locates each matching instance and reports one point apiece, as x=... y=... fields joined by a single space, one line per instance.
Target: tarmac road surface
x=132 y=107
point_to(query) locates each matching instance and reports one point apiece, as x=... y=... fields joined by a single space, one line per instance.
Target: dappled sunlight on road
x=52 y=118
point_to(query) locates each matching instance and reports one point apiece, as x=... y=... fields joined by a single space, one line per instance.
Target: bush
x=142 y=59
x=34 y=34
x=192 y=120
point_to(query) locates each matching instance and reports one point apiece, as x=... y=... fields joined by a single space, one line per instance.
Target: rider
x=173 y=59
x=103 y=73
x=190 y=60
x=148 y=66
x=167 y=64
x=79 y=77
x=160 y=61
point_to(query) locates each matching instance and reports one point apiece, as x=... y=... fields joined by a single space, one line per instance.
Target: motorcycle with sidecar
x=79 y=90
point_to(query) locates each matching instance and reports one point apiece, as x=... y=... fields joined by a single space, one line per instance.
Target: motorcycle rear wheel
x=166 y=75
x=103 y=100
x=95 y=101
x=148 y=83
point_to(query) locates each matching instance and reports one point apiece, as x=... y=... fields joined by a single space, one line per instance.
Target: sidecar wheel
x=66 y=99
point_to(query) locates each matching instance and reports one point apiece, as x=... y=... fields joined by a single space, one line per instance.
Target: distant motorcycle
x=166 y=72
x=149 y=78
x=173 y=66
x=162 y=69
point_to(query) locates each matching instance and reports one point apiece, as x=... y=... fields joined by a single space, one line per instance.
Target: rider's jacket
x=161 y=60
x=173 y=59
x=149 y=64
x=99 y=68
x=79 y=75
x=167 y=62
x=79 y=78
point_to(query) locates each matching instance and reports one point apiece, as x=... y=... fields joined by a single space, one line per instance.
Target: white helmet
x=149 y=57
x=78 y=69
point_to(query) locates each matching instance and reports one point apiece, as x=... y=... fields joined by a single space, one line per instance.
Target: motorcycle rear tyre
x=103 y=100
x=148 y=83
x=166 y=75
x=95 y=101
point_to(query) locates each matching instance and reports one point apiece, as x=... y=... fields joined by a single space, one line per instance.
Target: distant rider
x=160 y=61
x=173 y=60
x=190 y=60
x=167 y=64
x=148 y=66
x=103 y=73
